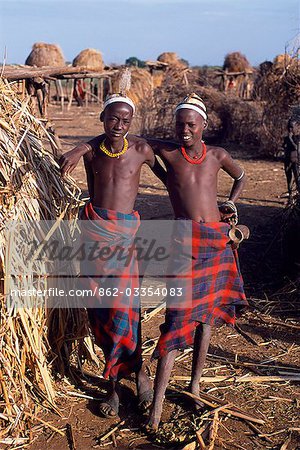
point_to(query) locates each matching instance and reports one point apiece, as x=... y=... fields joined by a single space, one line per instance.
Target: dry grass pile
x=278 y=87
x=43 y=54
x=284 y=303
x=90 y=59
x=157 y=78
x=172 y=59
x=280 y=62
x=31 y=189
x=236 y=62
x=229 y=118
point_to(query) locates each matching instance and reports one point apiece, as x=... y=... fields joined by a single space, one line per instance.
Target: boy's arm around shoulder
x=158 y=145
x=152 y=161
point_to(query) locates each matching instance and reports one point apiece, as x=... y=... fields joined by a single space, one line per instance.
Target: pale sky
x=200 y=31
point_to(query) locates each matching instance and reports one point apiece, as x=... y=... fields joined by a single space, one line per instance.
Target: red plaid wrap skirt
x=114 y=310
x=217 y=288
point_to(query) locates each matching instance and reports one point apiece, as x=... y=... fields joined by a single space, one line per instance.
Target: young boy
x=113 y=164
x=291 y=147
x=192 y=170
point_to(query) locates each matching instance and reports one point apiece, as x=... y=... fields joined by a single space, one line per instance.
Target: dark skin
x=193 y=194
x=193 y=188
x=291 y=156
x=113 y=184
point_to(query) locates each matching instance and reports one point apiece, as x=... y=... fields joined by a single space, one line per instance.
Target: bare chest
x=123 y=167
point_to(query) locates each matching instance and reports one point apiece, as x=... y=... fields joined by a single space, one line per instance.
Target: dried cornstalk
x=213 y=432
x=243 y=379
x=31 y=189
x=213 y=402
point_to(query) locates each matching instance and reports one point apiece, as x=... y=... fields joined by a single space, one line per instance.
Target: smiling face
x=189 y=127
x=116 y=119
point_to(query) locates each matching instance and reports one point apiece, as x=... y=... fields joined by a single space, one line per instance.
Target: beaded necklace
x=195 y=159
x=111 y=154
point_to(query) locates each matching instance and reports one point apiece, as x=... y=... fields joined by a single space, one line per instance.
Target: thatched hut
x=171 y=58
x=90 y=59
x=45 y=55
x=230 y=118
x=236 y=62
x=236 y=77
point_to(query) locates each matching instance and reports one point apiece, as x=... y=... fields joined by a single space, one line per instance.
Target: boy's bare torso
x=193 y=187
x=113 y=182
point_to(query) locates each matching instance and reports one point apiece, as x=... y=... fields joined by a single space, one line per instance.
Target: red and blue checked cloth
x=217 y=288
x=114 y=318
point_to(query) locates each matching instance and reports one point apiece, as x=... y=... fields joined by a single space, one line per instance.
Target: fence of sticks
x=32 y=190
x=277 y=87
x=230 y=118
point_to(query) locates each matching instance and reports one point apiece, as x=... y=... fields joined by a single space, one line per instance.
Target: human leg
x=144 y=389
x=295 y=170
x=110 y=405
x=201 y=344
x=288 y=174
x=143 y=384
x=164 y=368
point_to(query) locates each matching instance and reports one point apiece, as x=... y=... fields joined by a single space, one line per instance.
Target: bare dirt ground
x=268 y=345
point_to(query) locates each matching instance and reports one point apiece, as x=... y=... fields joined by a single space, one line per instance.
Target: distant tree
x=135 y=62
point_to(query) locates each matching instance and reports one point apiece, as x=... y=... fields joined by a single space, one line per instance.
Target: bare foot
x=144 y=390
x=153 y=421
x=110 y=406
x=195 y=390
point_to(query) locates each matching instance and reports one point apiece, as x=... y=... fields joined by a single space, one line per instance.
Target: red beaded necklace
x=195 y=159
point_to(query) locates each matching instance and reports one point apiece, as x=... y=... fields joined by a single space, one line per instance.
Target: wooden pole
x=71 y=95
x=62 y=99
x=86 y=93
x=99 y=84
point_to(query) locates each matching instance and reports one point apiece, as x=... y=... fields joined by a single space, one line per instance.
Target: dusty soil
x=270 y=347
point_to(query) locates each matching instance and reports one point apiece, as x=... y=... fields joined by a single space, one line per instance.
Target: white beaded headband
x=119 y=98
x=198 y=109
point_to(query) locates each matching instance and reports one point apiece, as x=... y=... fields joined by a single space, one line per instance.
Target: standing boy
x=192 y=171
x=113 y=164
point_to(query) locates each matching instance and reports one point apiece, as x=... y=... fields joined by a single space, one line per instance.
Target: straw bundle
x=170 y=58
x=158 y=77
x=30 y=189
x=282 y=61
x=90 y=59
x=45 y=55
x=236 y=62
